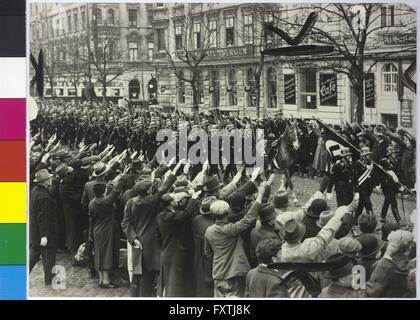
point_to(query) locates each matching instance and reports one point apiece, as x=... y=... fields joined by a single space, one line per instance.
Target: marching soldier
x=344 y=178
x=389 y=184
x=366 y=174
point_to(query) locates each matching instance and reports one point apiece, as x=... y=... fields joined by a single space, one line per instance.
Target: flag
x=335 y=143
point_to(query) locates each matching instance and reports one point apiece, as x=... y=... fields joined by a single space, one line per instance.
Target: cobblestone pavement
x=80 y=284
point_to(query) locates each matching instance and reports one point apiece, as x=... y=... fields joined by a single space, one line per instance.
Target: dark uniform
x=390 y=188
x=367 y=181
x=345 y=180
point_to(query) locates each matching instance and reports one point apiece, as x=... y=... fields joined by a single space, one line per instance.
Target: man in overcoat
x=43 y=228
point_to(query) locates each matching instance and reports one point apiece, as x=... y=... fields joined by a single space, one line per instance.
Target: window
x=215 y=84
x=160 y=5
x=150 y=48
x=387 y=16
x=76 y=20
x=308 y=89
x=248 y=30
x=197 y=35
x=178 y=37
x=99 y=16
x=213 y=33
x=133 y=50
x=232 y=88
x=111 y=50
x=272 y=88
x=111 y=17
x=69 y=22
x=83 y=17
x=132 y=17
x=161 y=44
x=181 y=88
x=251 y=88
x=390 y=77
x=230 y=31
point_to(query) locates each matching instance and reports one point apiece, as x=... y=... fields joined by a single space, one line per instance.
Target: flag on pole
x=335 y=143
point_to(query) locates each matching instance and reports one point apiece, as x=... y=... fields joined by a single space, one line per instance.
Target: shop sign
x=289 y=89
x=370 y=90
x=406 y=117
x=328 y=89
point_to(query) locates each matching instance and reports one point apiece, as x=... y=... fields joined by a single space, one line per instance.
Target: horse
x=285 y=156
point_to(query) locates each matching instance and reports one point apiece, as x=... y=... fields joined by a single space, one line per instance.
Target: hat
x=181 y=184
x=370 y=245
x=62 y=154
x=267 y=213
x=294 y=231
x=142 y=186
x=324 y=217
x=99 y=169
x=391 y=150
x=205 y=204
x=87 y=161
x=42 y=175
x=387 y=228
x=345 y=152
x=212 y=183
x=280 y=200
x=348 y=245
x=136 y=163
x=76 y=164
x=280 y=113
x=365 y=151
x=342 y=266
x=63 y=169
x=237 y=201
x=317 y=206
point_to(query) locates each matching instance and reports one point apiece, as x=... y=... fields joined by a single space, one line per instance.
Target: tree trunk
x=194 y=95
x=360 y=104
x=258 y=92
x=103 y=92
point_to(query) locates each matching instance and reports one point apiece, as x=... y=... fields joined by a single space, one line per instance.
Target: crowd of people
x=211 y=230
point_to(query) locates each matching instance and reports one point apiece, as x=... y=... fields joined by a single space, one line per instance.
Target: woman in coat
x=321 y=161
x=105 y=231
x=174 y=224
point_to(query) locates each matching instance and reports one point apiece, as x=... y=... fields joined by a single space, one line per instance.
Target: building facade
x=226 y=78
x=65 y=30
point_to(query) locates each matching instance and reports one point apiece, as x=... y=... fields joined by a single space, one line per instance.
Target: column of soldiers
x=106 y=184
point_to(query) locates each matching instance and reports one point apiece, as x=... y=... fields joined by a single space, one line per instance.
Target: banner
x=370 y=90
x=328 y=89
x=289 y=89
x=406 y=118
x=335 y=143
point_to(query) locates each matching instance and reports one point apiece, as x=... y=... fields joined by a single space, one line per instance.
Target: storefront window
x=232 y=88
x=390 y=76
x=98 y=16
x=181 y=88
x=272 y=88
x=252 y=90
x=308 y=89
x=215 y=84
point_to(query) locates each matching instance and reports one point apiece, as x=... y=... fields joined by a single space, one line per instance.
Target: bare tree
x=193 y=40
x=356 y=32
x=75 y=65
x=261 y=14
x=51 y=60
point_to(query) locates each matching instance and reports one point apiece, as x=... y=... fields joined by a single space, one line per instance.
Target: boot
x=396 y=215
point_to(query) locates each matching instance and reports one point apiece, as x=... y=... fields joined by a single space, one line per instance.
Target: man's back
x=263 y=282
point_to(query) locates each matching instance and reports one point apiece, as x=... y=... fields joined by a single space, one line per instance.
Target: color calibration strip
x=12 y=150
